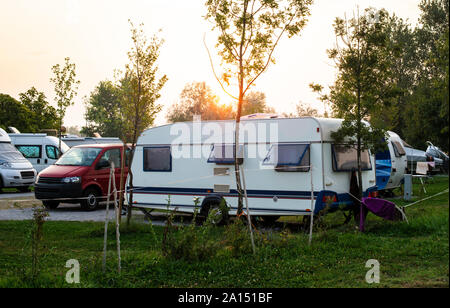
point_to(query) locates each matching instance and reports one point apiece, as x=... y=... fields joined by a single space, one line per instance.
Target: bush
x=189 y=242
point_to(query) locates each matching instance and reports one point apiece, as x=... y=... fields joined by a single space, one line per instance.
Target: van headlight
x=72 y=179
x=5 y=165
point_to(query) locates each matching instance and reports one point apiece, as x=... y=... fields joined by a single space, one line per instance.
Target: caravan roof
x=293 y=130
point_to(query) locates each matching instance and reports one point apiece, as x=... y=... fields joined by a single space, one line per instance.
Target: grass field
x=410 y=255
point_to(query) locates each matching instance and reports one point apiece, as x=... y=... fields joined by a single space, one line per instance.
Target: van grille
x=49 y=180
x=27 y=174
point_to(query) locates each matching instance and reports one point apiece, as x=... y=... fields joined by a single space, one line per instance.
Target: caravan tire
x=220 y=219
x=1 y=184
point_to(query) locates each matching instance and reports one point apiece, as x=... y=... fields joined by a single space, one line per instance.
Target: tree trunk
x=238 y=114
x=235 y=153
x=130 y=176
x=60 y=129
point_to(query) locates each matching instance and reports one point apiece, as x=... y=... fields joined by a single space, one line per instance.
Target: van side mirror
x=102 y=164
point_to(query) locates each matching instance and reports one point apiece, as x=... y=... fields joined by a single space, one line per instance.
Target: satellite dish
x=13 y=130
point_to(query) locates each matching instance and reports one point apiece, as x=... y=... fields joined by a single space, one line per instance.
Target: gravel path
x=73 y=212
x=16 y=195
x=65 y=212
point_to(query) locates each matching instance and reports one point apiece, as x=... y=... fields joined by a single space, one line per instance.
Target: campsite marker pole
x=311 y=222
x=107 y=216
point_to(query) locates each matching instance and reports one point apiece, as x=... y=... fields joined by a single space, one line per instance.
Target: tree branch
x=214 y=72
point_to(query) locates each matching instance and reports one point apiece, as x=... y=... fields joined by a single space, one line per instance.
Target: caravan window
x=289 y=157
x=345 y=158
x=157 y=158
x=30 y=151
x=398 y=149
x=224 y=154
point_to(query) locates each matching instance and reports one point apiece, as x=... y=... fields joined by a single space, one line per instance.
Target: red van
x=82 y=172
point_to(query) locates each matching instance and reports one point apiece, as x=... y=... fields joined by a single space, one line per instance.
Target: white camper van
x=391 y=163
x=182 y=161
x=15 y=170
x=41 y=150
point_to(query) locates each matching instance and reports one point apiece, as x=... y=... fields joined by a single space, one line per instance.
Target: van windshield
x=79 y=157
x=9 y=153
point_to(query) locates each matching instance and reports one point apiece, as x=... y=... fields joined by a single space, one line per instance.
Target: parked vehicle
x=414 y=155
x=74 y=141
x=438 y=153
x=15 y=170
x=391 y=164
x=41 y=150
x=278 y=181
x=81 y=175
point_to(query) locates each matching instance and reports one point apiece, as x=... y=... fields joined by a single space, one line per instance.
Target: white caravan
x=15 y=170
x=183 y=161
x=41 y=150
x=73 y=141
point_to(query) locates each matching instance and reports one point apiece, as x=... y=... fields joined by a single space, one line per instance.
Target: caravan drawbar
x=281 y=159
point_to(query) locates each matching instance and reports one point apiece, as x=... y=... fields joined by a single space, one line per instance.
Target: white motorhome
x=15 y=170
x=391 y=163
x=41 y=150
x=183 y=161
x=73 y=141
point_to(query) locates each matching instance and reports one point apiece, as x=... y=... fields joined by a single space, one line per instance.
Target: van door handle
x=46 y=161
x=38 y=161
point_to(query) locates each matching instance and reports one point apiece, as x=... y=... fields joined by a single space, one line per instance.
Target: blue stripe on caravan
x=231 y=208
x=284 y=194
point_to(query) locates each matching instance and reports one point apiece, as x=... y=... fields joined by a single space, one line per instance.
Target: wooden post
x=111 y=174
x=116 y=207
x=122 y=182
x=248 y=211
x=311 y=221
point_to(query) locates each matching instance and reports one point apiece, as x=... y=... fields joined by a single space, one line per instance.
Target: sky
x=35 y=35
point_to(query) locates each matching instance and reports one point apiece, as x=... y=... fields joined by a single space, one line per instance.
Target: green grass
x=410 y=255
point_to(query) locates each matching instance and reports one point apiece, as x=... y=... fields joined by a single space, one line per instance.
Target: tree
x=249 y=31
x=197 y=98
x=140 y=89
x=66 y=87
x=305 y=110
x=104 y=111
x=429 y=99
x=13 y=113
x=255 y=102
x=362 y=87
x=404 y=66
x=41 y=114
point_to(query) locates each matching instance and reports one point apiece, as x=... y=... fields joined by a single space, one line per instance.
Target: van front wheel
x=90 y=199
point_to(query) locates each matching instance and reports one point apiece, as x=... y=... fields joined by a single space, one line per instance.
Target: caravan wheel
x=217 y=215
